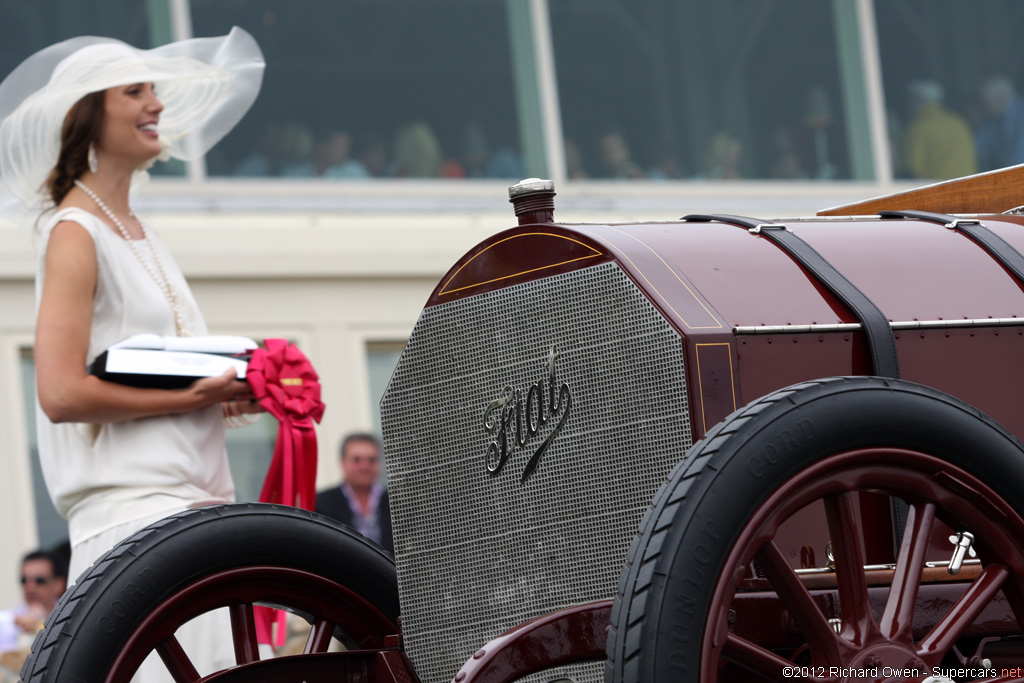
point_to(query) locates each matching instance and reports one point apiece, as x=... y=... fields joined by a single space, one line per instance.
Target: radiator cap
x=531 y=185
x=533 y=200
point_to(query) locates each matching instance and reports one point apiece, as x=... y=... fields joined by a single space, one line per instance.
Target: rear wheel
x=727 y=578
x=132 y=600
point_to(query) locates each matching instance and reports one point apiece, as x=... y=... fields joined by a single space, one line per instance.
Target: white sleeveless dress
x=112 y=479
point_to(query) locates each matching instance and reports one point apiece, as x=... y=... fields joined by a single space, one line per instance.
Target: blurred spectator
x=373 y=153
x=261 y=162
x=335 y=160
x=574 y=166
x=786 y=161
x=999 y=140
x=722 y=159
x=43 y=581
x=818 y=125
x=505 y=163
x=297 y=152
x=616 y=157
x=475 y=152
x=360 y=501
x=478 y=161
x=939 y=143
x=418 y=154
x=667 y=168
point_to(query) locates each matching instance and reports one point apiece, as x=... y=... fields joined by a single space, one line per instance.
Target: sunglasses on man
x=37 y=580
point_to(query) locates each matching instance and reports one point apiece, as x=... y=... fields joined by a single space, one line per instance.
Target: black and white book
x=151 y=360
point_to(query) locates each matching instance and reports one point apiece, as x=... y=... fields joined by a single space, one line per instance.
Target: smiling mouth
x=149 y=128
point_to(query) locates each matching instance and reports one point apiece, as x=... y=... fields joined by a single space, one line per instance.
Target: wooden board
x=990 y=192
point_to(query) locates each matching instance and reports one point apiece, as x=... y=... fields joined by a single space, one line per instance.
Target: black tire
x=106 y=612
x=665 y=621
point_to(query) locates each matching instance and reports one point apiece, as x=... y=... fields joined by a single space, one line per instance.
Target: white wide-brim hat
x=205 y=84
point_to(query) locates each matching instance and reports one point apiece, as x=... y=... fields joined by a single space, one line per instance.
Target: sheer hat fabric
x=205 y=84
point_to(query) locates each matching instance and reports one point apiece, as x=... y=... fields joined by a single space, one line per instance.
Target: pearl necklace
x=159 y=275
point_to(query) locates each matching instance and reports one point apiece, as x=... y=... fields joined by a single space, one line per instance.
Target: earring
x=93 y=161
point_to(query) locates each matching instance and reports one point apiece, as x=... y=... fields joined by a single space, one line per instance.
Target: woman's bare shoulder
x=75 y=219
x=70 y=239
x=69 y=229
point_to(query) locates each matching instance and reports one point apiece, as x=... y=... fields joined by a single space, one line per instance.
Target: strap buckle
x=957 y=222
x=756 y=230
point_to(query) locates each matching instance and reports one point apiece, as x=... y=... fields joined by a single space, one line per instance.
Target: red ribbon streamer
x=286 y=385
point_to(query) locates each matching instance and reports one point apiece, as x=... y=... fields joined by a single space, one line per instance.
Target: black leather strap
x=752 y=224
x=996 y=246
x=881 y=342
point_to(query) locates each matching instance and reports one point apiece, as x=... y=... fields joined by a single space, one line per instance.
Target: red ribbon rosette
x=285 y=383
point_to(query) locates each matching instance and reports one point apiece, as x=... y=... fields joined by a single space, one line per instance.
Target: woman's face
x=131 y=114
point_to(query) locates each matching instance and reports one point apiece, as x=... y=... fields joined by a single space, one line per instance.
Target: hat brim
x=205 y=85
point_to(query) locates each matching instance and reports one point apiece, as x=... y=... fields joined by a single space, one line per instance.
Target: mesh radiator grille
x=479 y=552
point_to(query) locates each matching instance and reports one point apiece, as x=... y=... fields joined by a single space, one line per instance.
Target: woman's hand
x=224 y=388
x=243 y=409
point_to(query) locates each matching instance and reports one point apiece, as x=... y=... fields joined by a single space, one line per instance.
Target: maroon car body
x=753 y=320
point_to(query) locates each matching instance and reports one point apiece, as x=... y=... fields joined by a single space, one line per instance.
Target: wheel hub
x=886 y=662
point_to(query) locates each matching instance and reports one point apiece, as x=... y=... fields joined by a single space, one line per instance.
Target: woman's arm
x=67 y=393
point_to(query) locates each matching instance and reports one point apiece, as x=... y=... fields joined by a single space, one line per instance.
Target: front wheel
x=135 y=598
x=804 y=538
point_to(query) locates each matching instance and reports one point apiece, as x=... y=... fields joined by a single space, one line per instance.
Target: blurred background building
x=387 y=131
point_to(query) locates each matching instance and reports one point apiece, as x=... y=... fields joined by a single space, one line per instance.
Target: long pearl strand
x=159 y=275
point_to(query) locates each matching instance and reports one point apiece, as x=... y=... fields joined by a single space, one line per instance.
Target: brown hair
x=81 y=128
x=358 y=436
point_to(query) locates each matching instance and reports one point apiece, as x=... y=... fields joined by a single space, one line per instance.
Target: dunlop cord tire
x=725 y=477
x=97 y=615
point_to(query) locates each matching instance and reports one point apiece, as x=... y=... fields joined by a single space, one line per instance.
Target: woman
x=81 y=120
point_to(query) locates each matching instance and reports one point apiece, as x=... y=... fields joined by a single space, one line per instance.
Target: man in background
x=1000 y=137
x=43 y=581
x=360 y=502
x=939 y=142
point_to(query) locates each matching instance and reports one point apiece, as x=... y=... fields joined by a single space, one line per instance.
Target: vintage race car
x=719 y=448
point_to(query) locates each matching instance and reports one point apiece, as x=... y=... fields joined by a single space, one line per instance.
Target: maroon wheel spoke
x=243 y=633
x=176 y=661
x=845 y=531
x=962 y=614
x=821 y=637
x=319 y=638
x=759 y=660
x=898 y=618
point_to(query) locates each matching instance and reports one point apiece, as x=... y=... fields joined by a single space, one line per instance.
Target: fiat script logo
x=515 y=418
